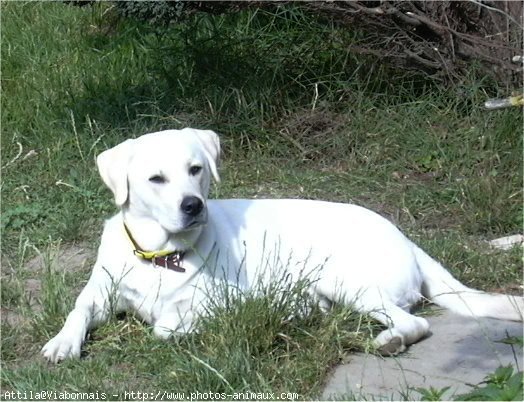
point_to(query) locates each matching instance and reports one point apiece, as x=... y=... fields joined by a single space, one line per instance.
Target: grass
x=299 y=117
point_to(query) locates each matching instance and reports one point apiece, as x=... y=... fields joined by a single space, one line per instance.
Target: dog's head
x=164 y=176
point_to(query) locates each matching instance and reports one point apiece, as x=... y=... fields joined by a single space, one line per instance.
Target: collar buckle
x=171 y=261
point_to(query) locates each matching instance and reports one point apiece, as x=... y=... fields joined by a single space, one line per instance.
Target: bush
x=441 y=39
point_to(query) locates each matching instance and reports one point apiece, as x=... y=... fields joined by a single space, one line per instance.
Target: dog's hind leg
x=403 y=328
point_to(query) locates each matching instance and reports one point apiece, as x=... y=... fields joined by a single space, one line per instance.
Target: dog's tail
x=444 y=290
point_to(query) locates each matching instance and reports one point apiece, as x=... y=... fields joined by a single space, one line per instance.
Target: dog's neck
x=149 y=235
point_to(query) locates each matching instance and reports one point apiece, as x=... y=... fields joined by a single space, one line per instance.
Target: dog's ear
x=211 y=144
x=112 y=165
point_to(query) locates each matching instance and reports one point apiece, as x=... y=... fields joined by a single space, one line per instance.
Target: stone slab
x=458 y=353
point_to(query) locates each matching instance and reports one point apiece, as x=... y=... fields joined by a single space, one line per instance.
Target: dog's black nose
x=192 y=206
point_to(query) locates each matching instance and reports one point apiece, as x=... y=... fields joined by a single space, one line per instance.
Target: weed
x=432 y=394
x=504 y=384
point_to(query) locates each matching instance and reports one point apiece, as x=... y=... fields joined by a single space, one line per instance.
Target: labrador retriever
x=168 y=246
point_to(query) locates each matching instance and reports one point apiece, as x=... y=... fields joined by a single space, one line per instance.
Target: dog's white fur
x=357 y=256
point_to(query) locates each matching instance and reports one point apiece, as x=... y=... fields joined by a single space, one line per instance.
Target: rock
x=459 y=353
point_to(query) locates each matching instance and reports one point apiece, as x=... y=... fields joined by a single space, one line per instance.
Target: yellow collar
x=164 y=258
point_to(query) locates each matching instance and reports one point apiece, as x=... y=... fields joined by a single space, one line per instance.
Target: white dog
x=161 y=181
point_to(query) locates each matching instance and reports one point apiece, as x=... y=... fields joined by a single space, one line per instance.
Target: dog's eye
x=157 y=179
x=194 y=170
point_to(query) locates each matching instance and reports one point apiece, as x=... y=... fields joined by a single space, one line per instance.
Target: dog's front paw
x=61 y=347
